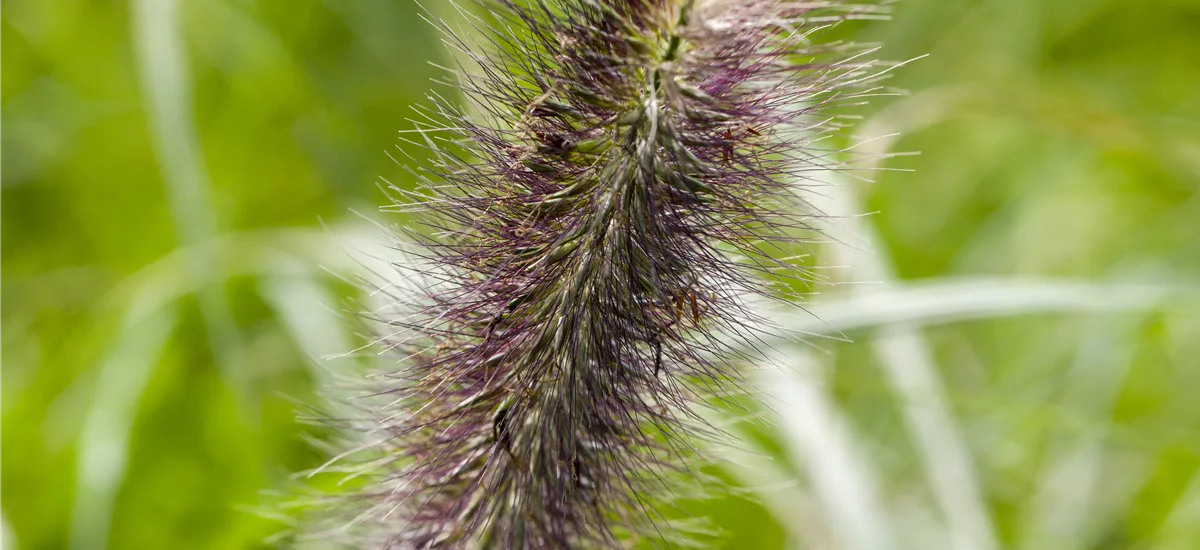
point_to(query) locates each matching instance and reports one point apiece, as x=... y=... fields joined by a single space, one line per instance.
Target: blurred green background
x=1025 y=371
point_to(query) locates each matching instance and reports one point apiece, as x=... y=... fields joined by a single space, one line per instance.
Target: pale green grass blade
x=908 y=364
x=8 y=539
x=777 y=489
x=166 y=87
x=304 y=307
x=946 y=301
x=820 y=438
x=1181 y=529
x=1064 y=513
x=104 y=441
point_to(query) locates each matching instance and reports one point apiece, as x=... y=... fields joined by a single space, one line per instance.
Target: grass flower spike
x=627 y=179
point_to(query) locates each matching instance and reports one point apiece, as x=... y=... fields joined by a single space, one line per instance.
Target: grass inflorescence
x=625 y=181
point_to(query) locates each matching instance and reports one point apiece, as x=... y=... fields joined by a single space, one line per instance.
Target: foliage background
x=165 y=178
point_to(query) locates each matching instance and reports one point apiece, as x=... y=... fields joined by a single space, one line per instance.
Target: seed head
x=626 y=180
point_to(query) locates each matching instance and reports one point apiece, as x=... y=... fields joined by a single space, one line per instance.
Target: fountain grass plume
x=631 y=173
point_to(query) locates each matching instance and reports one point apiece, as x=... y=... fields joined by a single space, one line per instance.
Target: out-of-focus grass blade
x=301 y=305
x=753 y=467
x=1181 y=529
x=163 y=70
x=104 y=440
x=1064 y=514
x=932 y=302
x=821 y=440
x=908 y=364
x=249 y=253
x=7 y=538
x=944 y=301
